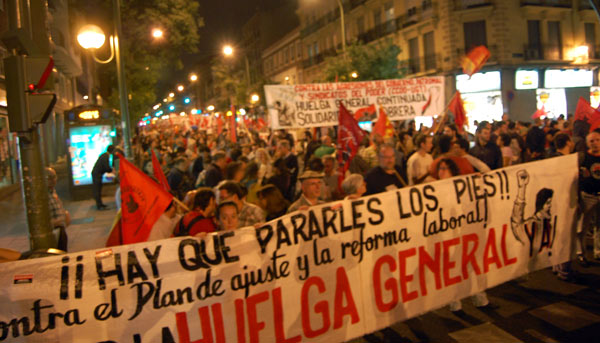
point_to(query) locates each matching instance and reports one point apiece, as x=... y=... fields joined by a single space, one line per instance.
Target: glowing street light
x=354 y=75
x=227 y=50
x=171 y=95
x=254 y=98
x=157 y=33
x=91 y=37
x=193 y=77
x=180 y=88
x=210 y=108
x=165 y=100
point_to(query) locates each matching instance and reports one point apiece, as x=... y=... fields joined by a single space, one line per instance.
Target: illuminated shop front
x=482 y=97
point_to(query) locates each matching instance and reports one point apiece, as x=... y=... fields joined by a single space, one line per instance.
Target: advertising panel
x=87 y=143
x=554 y=101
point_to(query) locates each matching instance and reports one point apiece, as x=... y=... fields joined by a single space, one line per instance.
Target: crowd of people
x=262 y=177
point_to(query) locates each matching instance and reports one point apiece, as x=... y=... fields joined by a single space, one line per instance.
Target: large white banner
x=329 y=274
x=317 y=104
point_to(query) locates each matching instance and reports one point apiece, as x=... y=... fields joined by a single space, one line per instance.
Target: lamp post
x=228 y=52
x=93 y=38
x=343 y=27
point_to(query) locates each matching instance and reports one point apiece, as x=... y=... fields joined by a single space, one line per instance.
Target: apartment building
x=282 y=61
x=543 y=52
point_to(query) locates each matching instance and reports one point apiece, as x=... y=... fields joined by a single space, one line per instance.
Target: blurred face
x=228 y=218
x=209 y=211
x=311 y=188
x=448 y=131
x=362 y=189
x=387 y=159
x=484 y=135
x=226 y=196
x=428 y=145
x=444 y=171
x=593 y=142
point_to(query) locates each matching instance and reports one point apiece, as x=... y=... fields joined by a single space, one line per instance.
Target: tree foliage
x=376 y=61
x=146 y=60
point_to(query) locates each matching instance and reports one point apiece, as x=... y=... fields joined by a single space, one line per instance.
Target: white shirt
x=417 y=166
x=163 y=228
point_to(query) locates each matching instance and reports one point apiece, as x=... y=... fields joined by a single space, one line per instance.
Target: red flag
x=365 y=111
x=116 y=233
x=143 y=201
x=457 y=108
x=584 y=110
x=594 y=121
x=383 y=126
x=158 y=173
x=539 y=113
x=475 y=59
x=349 y=138
x=260 y=123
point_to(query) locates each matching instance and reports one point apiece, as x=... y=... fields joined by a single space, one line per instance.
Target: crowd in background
x=261 y=177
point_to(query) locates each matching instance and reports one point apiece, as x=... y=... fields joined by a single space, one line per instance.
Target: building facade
x=543 y=52
x=282 y=61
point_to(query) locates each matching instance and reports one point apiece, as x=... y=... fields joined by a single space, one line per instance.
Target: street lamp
x=254 y=98
x=180 y=88
x=171 y=95
x=193 y=77
x=157 y=33
x=354 y=75
x=227 y=50
x=92 y=37
x=210 y=108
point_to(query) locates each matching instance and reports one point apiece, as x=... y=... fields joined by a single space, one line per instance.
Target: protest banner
x=328 y=274
x=317 y=104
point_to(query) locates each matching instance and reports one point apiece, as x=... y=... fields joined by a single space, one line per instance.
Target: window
x=413 y=52
x=293 y=52
x=475 y=34
x=377 y=17
x=534 y=49
x=287 y=56
x=316 y=48
x=360 y=25
x=590 y=39
x=299 y=50
x=429 y=47
x=554 y=41
x=389 y=16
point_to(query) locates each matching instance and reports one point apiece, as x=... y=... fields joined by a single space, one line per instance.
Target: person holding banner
x=311 y=183
x=199 y=221
x=247 y=214
x=387 y=176
x=589 y=186
x=227 y=215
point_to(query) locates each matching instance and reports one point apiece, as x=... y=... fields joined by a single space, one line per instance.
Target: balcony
x=550 y=52
x=585 y=5
x=378 y=31
x=318 y=59
x=547 y=3
x=423 y=64
x=416 y=15
x=468 y=4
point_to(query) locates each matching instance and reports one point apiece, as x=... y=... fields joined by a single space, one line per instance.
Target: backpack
x=183 y=230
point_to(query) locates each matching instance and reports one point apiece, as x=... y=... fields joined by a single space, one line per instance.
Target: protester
x=447 y=150
x=248 y=214
x=272 y=202
x=179 y=179
x=60 y=218
x=589 y=187
x=234 y=171
x=291 y=163
x=215 y=173
x=326 y=148
x=485 y=149
x=387 y=176
x=417 y=168
x=165 y=225
x=101 y=167
x=227 y=216
x=354 y=186
x=311 y=183
x=331 y=178
x=199 y=221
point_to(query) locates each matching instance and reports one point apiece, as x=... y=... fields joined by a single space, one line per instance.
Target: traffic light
x=28 y=102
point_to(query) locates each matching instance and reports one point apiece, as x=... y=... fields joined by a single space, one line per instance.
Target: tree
x=377 y=61
x=147 y=61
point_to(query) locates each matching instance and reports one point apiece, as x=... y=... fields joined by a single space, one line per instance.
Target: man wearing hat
x=311 y=183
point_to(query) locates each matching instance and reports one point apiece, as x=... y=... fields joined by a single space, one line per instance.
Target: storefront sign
x=328 y=274
x=567 y=78
x=478 y=82
x=526 y=79
x=314 y=105
x=553 y=100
